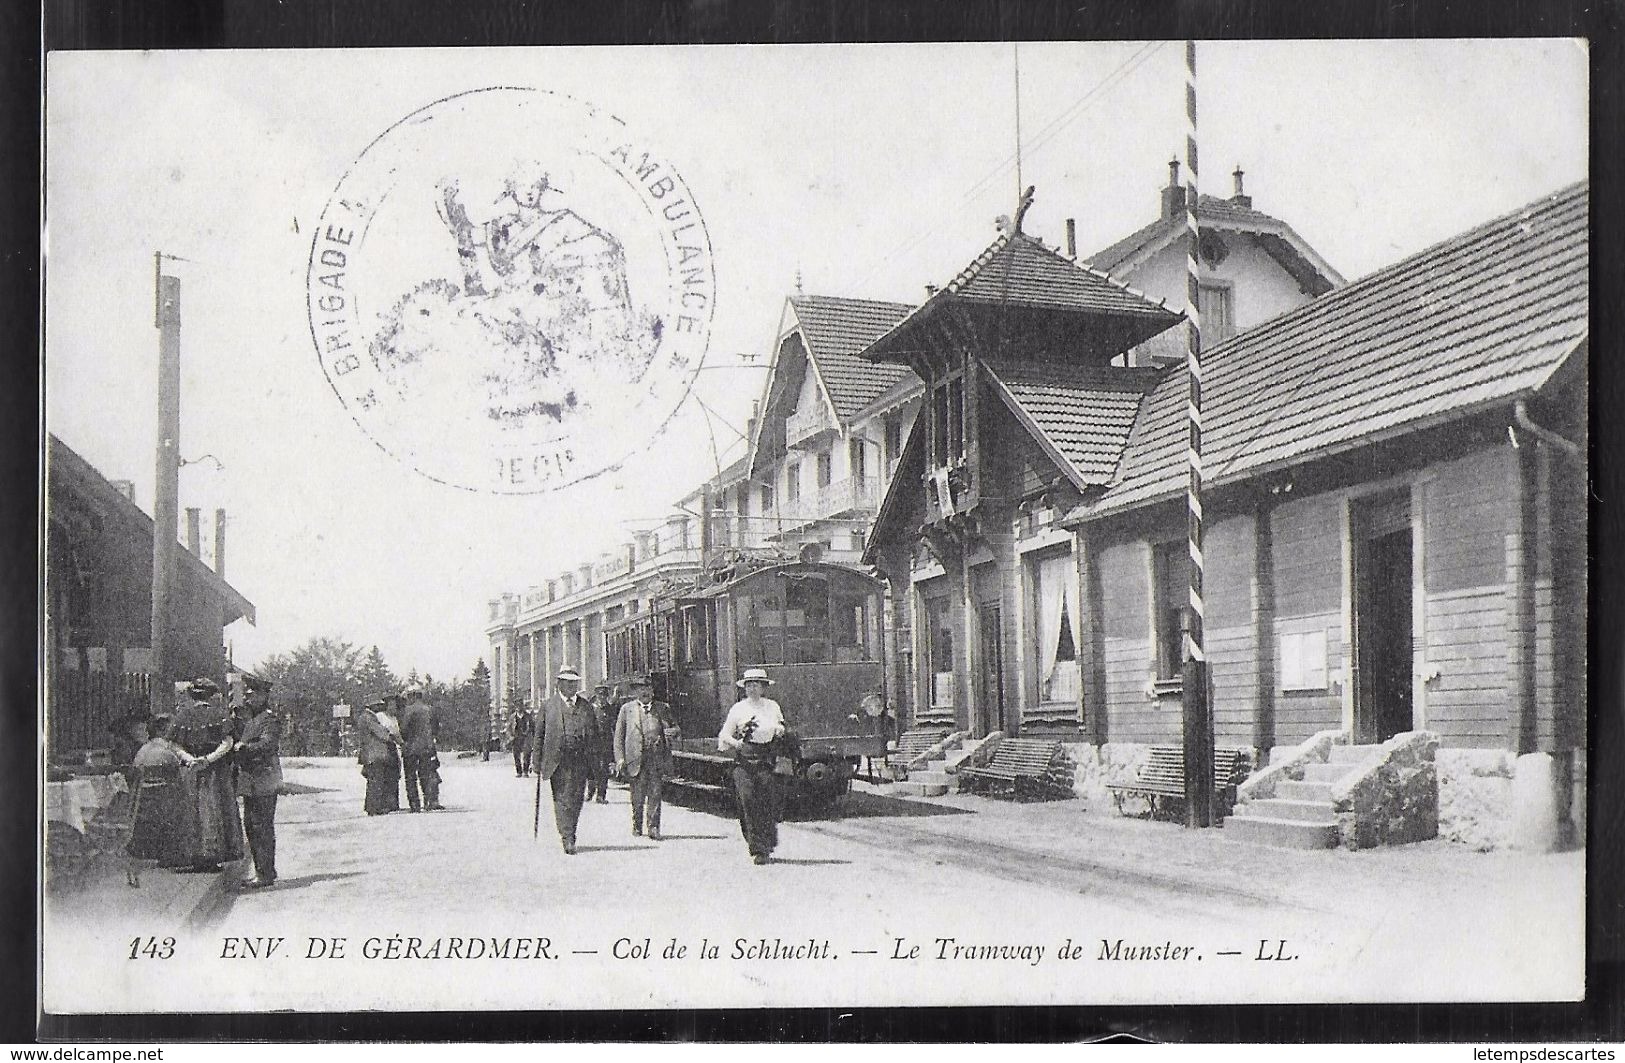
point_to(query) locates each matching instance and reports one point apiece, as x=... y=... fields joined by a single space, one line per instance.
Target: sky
x=866 y=171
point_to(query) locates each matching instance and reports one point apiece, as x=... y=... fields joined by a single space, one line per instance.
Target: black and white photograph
x=744 y=526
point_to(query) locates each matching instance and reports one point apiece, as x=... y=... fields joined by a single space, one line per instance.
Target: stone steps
x=1288 y=808
x=1304 y=791
x=1301 y=815
x=916 y=789
x=1284 y=833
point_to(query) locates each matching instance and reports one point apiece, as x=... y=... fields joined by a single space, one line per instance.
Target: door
x=990 y=675
x=1382 y=618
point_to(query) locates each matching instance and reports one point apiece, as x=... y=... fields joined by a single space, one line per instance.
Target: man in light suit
x=259 y=774
x=566 y=730
x=644 y=732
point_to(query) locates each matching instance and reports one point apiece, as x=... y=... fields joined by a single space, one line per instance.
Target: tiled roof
x=1016 y=268
x=1084 y=412
x=1224 y=214
x=836 y=330
x=1484 y=317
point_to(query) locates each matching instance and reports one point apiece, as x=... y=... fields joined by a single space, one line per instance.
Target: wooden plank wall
x=1467 y=518
x=1307 y=536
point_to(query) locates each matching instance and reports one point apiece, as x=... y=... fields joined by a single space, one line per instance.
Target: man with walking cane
x=566 y=732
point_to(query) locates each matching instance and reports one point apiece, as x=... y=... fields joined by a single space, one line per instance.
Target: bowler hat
x=570 y=674
x=640 y=681
x=754 y=675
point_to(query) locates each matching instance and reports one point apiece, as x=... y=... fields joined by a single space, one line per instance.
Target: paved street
x=502 y=920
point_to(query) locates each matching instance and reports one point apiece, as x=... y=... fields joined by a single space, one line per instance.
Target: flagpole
x=1197 y=711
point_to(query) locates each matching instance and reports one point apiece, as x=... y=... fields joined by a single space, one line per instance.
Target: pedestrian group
x=190 y=774
x=578 y=743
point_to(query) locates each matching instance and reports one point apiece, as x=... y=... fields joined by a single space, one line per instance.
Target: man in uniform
x=566 y=730
x=604 y=707
x=644 y=732
x=259 y=774
x=519 y=731
x=420 y=725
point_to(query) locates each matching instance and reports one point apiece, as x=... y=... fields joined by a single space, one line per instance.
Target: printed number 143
x=152 y=948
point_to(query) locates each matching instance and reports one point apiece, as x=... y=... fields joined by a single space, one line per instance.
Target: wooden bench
x=1161 y=780
x=1026 y=768
x=911 y=744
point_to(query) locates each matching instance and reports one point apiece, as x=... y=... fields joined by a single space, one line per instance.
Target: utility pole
x=1197 y=706
x=167 y=319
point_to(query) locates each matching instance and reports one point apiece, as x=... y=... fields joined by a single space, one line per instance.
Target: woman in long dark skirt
x=204 y=729
x=165 y=812
x=379 y=754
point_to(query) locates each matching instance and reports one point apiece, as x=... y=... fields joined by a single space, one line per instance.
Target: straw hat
x=754 y=675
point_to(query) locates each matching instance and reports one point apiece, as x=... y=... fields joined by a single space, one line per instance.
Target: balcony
x=806 y=429
x=858 y=495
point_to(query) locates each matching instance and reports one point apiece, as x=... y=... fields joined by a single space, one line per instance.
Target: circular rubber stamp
x=510 y=291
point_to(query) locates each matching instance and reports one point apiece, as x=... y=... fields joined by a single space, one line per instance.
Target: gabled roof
x=1081 y=414
x=1278 y=238
x=836 y=330
x=65 y=467
x=1016 y=270
x=1483 y=318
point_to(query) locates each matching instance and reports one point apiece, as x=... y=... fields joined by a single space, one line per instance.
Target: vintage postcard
x=976 y=524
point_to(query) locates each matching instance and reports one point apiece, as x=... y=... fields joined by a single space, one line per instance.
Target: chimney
x=1239 y=198
x=220 y=543
x=194 y=536
x=930 y=290
x=125 y=488
x=750 y=425
x=1173 y=197
x=1072 y=239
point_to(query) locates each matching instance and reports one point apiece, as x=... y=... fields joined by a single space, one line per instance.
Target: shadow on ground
x=305 y=880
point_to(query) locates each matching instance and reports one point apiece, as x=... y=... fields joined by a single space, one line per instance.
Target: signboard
x=341 y=712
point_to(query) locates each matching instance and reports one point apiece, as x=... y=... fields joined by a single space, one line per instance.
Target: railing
x=801 y=427
x=835 y=499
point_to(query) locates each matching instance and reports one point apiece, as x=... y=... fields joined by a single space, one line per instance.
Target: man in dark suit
x=420 y=726
x=257 y=755
x=566 y=731
x=520 y=729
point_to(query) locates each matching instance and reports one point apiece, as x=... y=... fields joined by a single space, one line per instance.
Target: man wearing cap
x=259 y=774
x=566 y=730
x=379 y=754
x=205 y=730
x=420 y=726
x=603 y=752
x=644 y=732
x=752 y=732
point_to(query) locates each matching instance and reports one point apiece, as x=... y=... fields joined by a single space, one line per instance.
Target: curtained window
x=1055 y=596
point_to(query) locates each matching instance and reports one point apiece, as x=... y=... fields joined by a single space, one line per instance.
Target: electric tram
x=814 y=626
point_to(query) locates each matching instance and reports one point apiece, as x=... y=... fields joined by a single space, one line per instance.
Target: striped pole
x=1193 y=365
x=1197 y=709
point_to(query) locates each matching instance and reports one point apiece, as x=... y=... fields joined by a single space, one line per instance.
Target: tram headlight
x=872 y=704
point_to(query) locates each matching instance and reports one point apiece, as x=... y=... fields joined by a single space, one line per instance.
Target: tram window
x=759 y=628
x=806 y=621
x=854 y=627
x=696 y=637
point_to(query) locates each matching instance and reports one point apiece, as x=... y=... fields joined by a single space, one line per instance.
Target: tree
x=309 y=681
x=376 y=678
